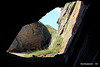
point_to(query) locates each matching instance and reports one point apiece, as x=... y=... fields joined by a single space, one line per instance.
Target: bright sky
x=51 y=18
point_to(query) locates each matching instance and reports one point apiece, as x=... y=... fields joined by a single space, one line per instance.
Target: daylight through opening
x=35 y=38
x=51 y=35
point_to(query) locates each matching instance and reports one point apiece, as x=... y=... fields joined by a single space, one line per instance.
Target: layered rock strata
x=69 y=21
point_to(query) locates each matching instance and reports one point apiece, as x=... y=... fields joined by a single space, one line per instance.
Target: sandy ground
x=19 y=54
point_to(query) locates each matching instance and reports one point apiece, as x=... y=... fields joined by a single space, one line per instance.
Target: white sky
x=58 y=9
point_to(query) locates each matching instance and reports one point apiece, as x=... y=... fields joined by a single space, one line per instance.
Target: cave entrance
x=35 y=38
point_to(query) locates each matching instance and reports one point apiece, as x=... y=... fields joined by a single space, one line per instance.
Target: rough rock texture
x=78 y=35
x=84 y=47
x=31 y=37
x=64 y=20
x=73 y=22
x=68 y=22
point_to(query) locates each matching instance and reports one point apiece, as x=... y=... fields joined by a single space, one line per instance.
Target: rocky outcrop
x=79 y=35
x=31 y=37
x=84 y=46
x=73 y=21
x=68 y=22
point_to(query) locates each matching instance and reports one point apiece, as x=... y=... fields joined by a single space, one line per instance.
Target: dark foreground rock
x=31 y=37
x=84 y=46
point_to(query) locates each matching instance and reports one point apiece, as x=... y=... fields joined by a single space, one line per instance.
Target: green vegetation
x=54 y=50
x=51 y=30
x=46 y=51
x=48 y=30
x=57 y=41
x=38 y=53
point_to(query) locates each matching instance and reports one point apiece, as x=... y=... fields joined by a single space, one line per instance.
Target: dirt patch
x=20 y=54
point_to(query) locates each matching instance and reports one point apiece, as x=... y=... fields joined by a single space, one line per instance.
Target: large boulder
x=31 y=37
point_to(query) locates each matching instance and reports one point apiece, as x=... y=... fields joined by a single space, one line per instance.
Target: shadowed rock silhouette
x=33 y=36
x=85 y=46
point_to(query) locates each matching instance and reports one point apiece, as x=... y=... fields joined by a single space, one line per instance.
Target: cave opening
x=49 y=36
x=40 y=33
x=82 y=47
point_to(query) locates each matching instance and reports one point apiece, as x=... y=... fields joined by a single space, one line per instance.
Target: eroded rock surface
x=69 y=22
x=31 y=37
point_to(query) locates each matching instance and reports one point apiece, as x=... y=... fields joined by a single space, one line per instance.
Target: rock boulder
x=31 y=37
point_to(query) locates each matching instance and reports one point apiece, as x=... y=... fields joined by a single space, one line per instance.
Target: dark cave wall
x=16 y=14
x=83 y=48
x=19 y=13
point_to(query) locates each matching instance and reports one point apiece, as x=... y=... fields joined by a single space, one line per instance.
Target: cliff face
x=78 y=34
x=84 y=46
x=70 y=19
x=31 y=37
